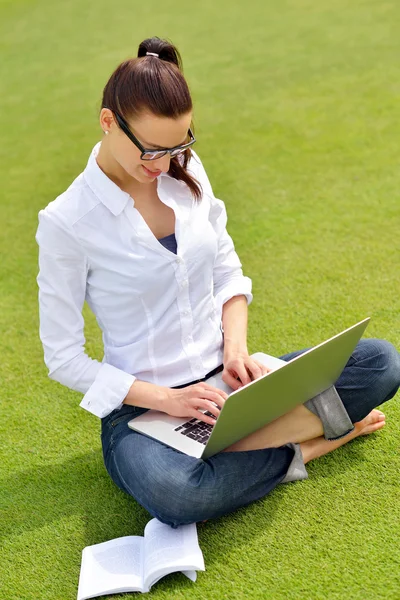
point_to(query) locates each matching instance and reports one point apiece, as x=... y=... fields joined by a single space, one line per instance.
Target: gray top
x=169 y=242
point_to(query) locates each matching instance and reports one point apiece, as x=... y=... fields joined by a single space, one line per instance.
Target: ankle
x=317 y=447
x=308 y=449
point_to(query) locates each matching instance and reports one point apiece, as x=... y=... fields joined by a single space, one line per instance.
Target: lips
x=151 y=173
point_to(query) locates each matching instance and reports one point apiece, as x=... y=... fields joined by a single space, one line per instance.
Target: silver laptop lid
x=294 y=383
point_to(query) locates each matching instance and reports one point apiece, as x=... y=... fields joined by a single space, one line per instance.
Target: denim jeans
x=179 y=489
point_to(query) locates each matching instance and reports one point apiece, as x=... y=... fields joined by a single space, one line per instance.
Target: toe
x=375 y=415
x=372 y=427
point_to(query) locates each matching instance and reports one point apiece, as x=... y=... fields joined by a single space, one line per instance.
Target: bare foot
x=372 y=422
x=311 y=449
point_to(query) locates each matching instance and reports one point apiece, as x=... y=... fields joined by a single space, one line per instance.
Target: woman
x=140 y=236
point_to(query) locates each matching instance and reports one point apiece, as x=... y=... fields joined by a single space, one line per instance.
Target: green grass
x=297 y=119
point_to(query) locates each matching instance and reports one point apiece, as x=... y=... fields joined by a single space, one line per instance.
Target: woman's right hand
x=186 y=402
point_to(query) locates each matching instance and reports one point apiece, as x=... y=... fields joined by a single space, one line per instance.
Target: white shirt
x=159 y=312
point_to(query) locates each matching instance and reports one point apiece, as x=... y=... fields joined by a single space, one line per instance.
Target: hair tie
x=152 y=54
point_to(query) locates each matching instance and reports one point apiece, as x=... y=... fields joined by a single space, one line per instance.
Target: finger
x=217 y=394
x=213 y=404
x=207 y=386
x=197 y=414
x=255 y=369
x=237 y=369
x=263 y=368
x=212 y=397
x=243 y=374
x=213 y=409
x=230 y=380
x=208 y=406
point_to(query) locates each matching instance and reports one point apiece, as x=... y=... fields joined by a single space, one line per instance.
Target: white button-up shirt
x=159 y=312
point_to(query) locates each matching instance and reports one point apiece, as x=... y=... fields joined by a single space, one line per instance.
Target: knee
x=175 y=488
x=177 y=491
x=185 y=496
x=391 y=361
x=383 y=360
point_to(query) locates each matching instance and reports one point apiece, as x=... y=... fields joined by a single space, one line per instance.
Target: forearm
x=146 y=395
x=234 y=322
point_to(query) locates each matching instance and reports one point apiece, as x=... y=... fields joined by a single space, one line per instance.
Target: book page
x=112 y=567
x=167 y=550
x=190 y=574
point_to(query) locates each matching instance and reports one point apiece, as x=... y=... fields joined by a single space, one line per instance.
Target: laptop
x=261 y=401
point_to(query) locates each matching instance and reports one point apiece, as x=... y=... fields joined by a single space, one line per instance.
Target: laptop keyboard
x=196 y=429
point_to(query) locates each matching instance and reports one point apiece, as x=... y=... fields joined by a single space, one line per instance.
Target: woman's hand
x=239 y=365
x=186 y=402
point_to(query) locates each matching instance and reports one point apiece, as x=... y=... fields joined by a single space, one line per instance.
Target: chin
x=136 y=174
x=143 y=178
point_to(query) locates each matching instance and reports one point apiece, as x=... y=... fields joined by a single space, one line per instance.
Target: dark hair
x=157 y=85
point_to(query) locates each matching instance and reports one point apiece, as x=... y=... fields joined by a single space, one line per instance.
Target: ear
x=107 y=121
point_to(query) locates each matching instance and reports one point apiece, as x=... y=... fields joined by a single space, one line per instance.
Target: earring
x=106 y=132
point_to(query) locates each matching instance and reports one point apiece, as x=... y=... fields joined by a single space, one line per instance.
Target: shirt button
x=184 y=283
x=179 y=260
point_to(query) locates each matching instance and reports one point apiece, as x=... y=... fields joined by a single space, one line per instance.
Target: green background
x=297 y=120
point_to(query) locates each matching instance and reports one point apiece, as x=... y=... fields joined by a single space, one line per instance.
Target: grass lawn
x=297 y=120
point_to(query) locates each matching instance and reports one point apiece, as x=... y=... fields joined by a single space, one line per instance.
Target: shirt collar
x=105 y=189
x=111 y=194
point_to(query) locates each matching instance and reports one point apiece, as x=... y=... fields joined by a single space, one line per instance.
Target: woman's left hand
x=239 y=365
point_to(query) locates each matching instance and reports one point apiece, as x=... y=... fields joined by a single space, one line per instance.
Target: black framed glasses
x=153 y=154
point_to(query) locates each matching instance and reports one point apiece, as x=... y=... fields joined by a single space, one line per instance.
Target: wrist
x=162 y=396
x=232 y=346
x=147 y=395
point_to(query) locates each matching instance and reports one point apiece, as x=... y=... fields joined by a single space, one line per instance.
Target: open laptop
x=257 y=403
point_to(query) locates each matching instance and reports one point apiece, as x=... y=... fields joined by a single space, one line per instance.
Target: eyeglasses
x=153 y=154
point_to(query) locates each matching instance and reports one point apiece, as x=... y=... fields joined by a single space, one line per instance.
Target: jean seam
x=120 y=419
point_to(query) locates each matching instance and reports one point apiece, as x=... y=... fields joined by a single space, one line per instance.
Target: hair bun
x=165 y=50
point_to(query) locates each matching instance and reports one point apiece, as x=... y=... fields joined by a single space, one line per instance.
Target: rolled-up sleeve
x=228 y=278
x=63 y=269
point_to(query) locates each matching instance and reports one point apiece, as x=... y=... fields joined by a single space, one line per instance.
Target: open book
x=134 y=563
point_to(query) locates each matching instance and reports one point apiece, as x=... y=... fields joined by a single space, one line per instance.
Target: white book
x=134 y=563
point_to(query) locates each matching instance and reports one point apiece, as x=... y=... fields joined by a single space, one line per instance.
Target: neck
x=116 y=173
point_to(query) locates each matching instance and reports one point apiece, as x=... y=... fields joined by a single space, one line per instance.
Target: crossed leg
x=371 y=377
x=301 y=426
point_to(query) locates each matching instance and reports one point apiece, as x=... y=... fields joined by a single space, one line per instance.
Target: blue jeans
x=178 y=489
